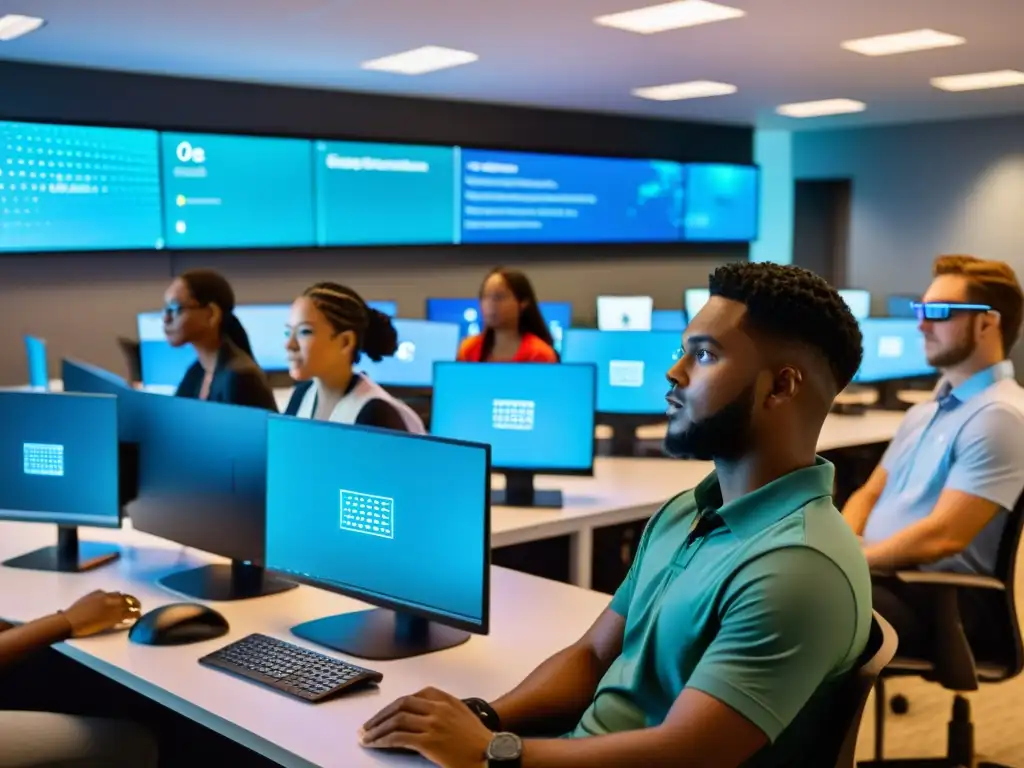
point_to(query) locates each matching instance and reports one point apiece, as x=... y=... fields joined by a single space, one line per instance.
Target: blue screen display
x=162 y=365
x=65 y=187
x=385 y=194
x=89 y=379
x=421 y=343
x=694 y=300
x=668 y=320
x=417 y=537
x=237 y=191
x=58 y=459
x=515 y=197
x=536 y=417
x=858 y=300
x=38 y=368
x=466 y=314
x=901 y=306
x=721 y=202
x=631 y=367
x=389 y=308
x=266 y=325
x=893 y=349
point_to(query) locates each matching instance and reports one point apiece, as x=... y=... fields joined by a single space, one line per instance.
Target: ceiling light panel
x=695 y=89
x=903 y=42
x=821 y=108
x=980 y=81
x=429 y=58
x=667 y=16
x=13 y=26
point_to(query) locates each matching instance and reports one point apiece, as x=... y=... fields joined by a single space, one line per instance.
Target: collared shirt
x=970 y=439
x=765 y=609
x=237 y=380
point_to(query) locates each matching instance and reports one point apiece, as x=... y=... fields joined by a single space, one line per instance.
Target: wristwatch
x=505 y=751
x=485 y=712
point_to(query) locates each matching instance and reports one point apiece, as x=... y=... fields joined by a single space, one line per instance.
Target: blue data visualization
x=721 y=202
x=515 y=197
x=417 y=537
x=162 y=365
x=385 y=194
x=535 y=416
x=66 y=187
x=58 y=458
x=893 y=349
x=421 y=343
x=631 y=367
x=237 y=191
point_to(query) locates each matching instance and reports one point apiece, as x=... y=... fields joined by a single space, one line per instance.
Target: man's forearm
x=555 y=695
x=919 y=544
x=19 y=641
x=857 y=510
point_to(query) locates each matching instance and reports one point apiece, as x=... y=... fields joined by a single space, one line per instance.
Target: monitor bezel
x=480 y=628
x=581 y=472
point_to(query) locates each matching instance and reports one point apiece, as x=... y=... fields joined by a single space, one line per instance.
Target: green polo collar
x=749 y=515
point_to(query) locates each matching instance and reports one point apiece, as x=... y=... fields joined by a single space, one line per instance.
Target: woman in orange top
x=514 y=329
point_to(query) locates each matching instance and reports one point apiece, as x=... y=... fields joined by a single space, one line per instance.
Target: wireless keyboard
x=289 y=668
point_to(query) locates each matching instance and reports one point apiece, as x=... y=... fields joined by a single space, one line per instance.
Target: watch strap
x=485 y=712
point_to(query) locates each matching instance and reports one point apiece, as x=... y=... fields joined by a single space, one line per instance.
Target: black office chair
x=953 y=664
x=839 y=744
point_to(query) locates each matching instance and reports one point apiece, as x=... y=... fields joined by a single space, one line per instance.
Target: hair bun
x=381 y=338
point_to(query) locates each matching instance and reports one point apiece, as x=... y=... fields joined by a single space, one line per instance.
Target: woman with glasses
x=199 y=308
x=330 y=329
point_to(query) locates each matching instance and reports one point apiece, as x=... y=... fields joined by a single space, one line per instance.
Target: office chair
x=132 y=356
x=953 y=665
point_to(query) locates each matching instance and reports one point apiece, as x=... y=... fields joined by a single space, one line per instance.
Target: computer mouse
x=178 y=624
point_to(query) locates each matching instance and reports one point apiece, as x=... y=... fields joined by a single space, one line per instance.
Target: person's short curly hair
x=797 y=305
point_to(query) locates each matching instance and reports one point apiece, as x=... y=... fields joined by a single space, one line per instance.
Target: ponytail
x=345 y=310
x=232 y=329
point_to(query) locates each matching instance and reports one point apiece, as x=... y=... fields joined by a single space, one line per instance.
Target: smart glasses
x=939 y=311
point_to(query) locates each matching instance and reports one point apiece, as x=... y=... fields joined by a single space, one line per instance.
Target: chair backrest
x=1006 y=572
x=839 y=745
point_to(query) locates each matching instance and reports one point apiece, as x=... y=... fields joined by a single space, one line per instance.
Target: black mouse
x=178 y=624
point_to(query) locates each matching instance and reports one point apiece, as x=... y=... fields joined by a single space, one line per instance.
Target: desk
x=531 y=618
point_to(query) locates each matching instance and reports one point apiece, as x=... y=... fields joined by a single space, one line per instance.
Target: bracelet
x=485 y=712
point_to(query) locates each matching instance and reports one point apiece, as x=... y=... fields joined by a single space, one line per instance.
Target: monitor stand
x=237 y=581
x=380 y=635
x=69 y=555
x=519 y=492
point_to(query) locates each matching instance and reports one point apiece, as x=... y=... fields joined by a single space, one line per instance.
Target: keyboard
x=289 y=668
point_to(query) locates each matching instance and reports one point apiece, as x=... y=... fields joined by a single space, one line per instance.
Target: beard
x=955 y=353
x=725 y=434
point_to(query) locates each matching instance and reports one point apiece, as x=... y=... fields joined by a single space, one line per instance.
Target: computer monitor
x=396 y=520
x=558 y=316
x=58 y=454
x=465 y=312
x=202 y=483
x=858 y=300
x=162 y=365
x=389 y=308
x=901 y=305
x=893 y=349
x=538 y=419
x=38 y=369
x=694 y=300
x=668 y=320
x=266 y=325
x=421 y=343
x=624 y=313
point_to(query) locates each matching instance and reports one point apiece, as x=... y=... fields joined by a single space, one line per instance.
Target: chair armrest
x=950 y=579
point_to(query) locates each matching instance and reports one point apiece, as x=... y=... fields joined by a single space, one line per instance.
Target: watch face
x=504 y=746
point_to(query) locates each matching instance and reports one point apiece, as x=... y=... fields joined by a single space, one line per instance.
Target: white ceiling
x=549 y=52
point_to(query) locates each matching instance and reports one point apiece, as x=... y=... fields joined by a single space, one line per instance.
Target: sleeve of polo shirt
x=788 y=621
x=988 y=458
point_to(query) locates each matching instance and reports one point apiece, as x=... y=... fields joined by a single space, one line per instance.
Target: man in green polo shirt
x=749 y=599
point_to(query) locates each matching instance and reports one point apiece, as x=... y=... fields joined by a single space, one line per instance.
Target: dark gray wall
x=81 y=302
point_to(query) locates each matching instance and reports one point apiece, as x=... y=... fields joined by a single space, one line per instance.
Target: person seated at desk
x=749 y=600
x=940 y=496
x=41 y=739
x=514 y=329
x=199 y=308
x=331 y=327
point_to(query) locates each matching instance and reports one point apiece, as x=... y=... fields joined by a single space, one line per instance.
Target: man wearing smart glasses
x=940 y=496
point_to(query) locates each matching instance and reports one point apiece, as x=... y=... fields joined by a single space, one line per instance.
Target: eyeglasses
x=939 y=311
x=176 y=309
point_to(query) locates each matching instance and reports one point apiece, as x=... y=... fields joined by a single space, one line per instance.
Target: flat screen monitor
x=237 y=191
x=538 y=419
x=266 y=326
x=519 y=197
x=694 y=300
x=893 y=349
x=37 y=363
x=901 y=305
x=78 y=188
x=421 y=343
x=385 y=194
x=202 y=483
x=58 y=454
x=163 y=366
x=415 y=542
x=668 y=320
x=624 y=313
x=631 y=367
x=465 y=312
x=721 y=202
x=387 y=307
x=858 y=300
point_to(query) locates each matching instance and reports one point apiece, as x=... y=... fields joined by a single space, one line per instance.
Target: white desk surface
x=531 y=619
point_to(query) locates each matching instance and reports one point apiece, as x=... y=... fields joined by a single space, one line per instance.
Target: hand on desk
x=434 y=724
x=99 y=611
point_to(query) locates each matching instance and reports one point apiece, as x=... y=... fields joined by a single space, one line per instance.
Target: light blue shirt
x=970 y=439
